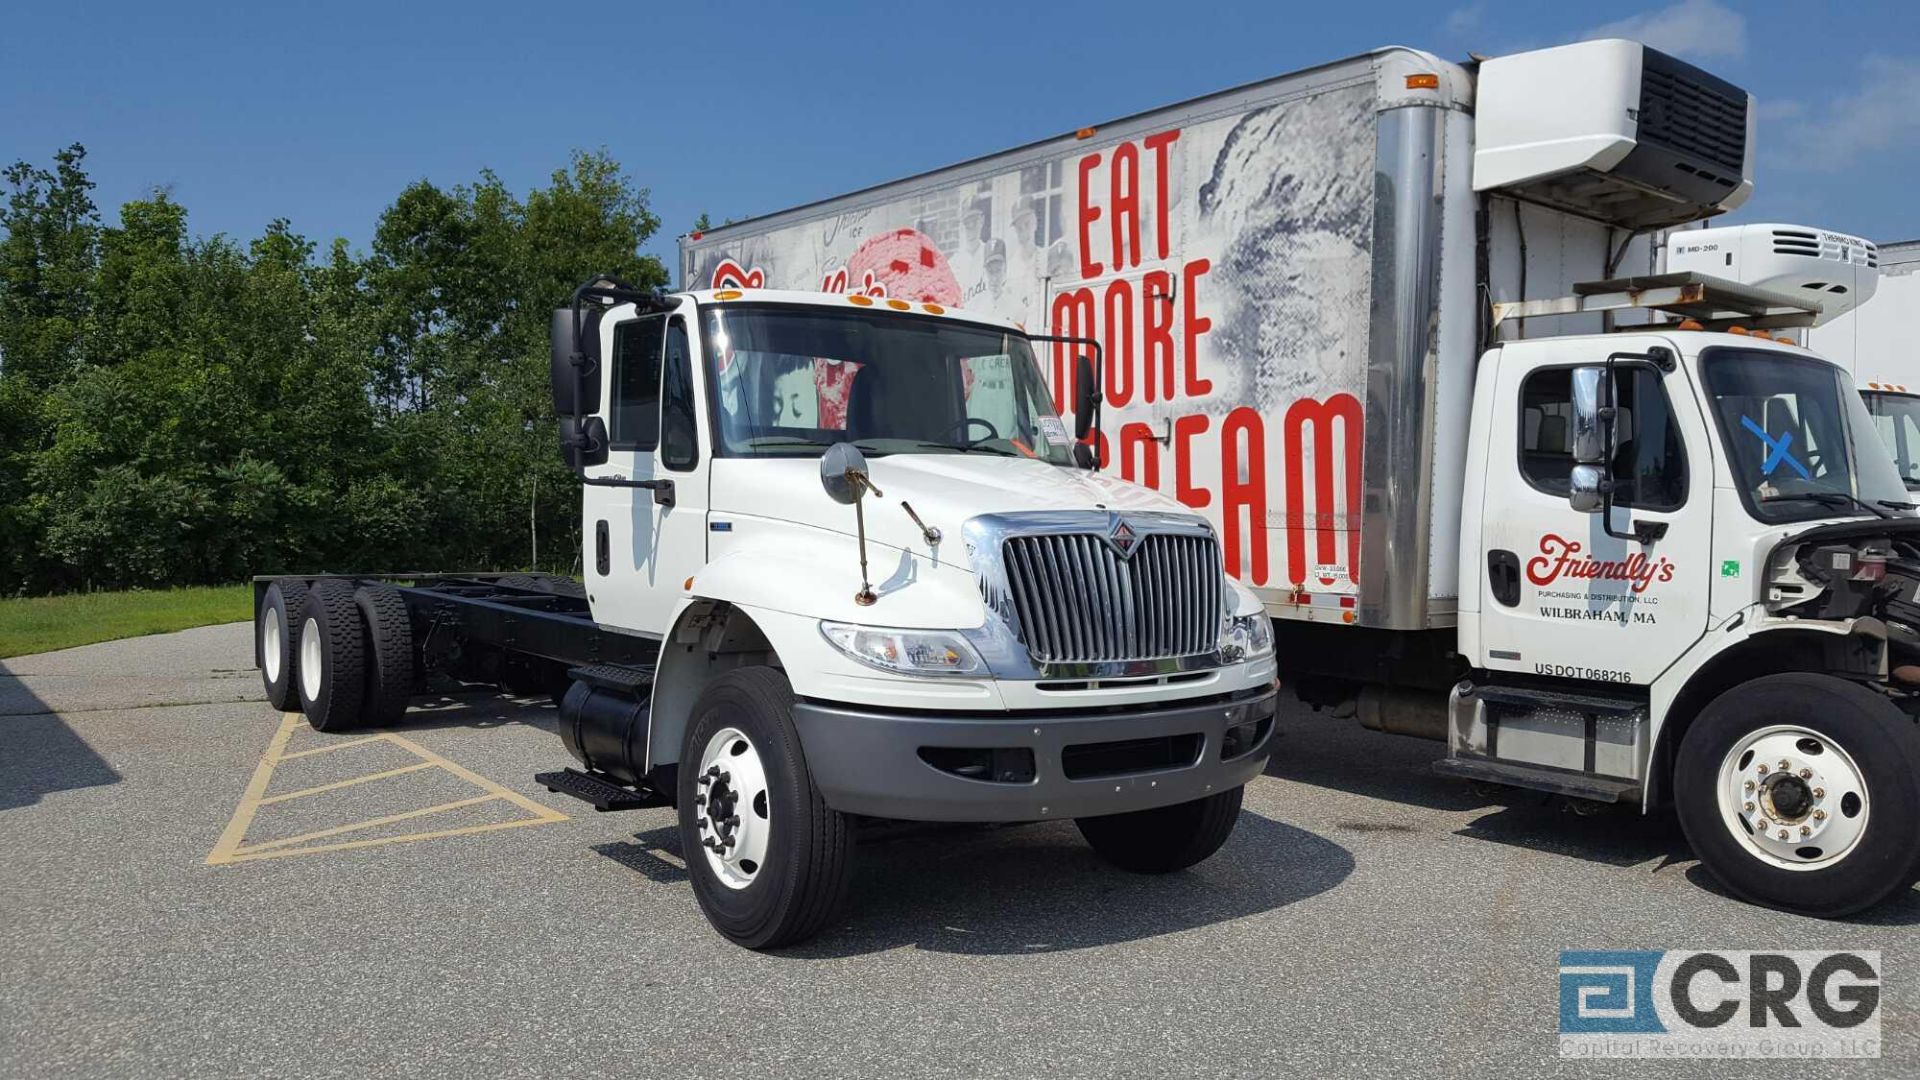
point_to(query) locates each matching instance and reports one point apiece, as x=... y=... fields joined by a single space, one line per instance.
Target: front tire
x=769 y=860
x=1802 y=791
x=1166 y=838
x=333 y=657
x=276 y=638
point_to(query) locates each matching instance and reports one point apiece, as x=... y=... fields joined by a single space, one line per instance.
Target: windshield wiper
x=783 y=440
x=1830 y=498
x=970 y=448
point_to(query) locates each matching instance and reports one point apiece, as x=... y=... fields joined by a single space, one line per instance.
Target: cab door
x=642 y=545
x=1561 y=597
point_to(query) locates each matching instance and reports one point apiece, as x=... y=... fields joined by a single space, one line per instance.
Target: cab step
x=604 y=793
x=633 y=681
x=1604 y=789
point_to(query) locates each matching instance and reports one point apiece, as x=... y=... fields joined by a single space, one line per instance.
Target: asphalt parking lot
x=420 y=907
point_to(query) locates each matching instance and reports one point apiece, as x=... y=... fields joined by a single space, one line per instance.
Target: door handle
x=1503 y=576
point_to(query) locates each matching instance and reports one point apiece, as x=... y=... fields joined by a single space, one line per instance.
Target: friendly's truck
x=1398 y=329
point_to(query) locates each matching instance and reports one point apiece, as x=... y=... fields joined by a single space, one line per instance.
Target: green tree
x=177 y=409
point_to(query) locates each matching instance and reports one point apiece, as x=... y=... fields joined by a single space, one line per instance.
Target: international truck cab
x=842 y=564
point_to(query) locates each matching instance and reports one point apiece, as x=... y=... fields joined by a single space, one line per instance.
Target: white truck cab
x=991 y=631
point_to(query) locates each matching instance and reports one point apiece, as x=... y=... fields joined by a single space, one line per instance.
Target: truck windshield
x=1897 y=418
x=792 y=380
x=1798 y=438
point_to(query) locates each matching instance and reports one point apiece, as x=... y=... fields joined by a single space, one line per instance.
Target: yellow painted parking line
x=370 y=823
x=331 y=747
x=236 y=829
x=232 y=846
x=464 y=830
x=338 y=784
x=477 y=780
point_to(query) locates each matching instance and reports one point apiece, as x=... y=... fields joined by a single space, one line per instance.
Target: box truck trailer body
x=1362 y=318
x=1286 y=279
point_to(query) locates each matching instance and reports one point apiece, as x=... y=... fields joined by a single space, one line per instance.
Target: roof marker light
x=728 y=294
x=1741 y=330
x=1084 y=133
x=1689 y=324
x=934 y=309
x=1423 y=82
x=899 y=305
x=857 y=298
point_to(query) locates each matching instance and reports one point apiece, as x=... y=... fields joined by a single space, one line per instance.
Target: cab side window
x=1649 y=459
x=679 y=438
x=634 y=415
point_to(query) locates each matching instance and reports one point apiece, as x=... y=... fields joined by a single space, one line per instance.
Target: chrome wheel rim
x=1793 y=798
x=310 y=659
x=270 y=634
x=732 y=808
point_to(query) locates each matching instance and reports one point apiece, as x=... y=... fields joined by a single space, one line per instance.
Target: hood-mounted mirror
x=843 y=472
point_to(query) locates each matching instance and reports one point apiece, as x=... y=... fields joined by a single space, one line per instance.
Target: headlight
x=904 y=652
x=1246 y=637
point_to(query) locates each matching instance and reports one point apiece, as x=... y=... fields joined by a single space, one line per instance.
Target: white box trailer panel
x=1283 y=277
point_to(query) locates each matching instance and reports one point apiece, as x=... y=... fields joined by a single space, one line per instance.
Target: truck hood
x=944 y=489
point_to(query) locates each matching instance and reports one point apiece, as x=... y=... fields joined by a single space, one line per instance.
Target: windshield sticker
x=1777 y=451
x=1054 y=430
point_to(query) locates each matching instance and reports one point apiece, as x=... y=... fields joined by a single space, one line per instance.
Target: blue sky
x=321 y=113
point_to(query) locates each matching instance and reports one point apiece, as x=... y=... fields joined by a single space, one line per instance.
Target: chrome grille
x=1075 y=600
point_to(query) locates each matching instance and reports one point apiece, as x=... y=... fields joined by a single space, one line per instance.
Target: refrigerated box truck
x=1396 y=327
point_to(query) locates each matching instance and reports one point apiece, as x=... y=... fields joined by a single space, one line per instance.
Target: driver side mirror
x=1592 y=415
x=584 y=441
x=1586 y=489
x=575 y=382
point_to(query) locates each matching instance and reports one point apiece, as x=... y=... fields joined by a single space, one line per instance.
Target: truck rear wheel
x=1166 y=838
x=333 y=657
x=1802 y=791
x=769 y=860
x=390 y=667
x=276 y=638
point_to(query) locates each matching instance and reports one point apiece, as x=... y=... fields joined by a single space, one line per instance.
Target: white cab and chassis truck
x=990 y=632
x=1397 y=328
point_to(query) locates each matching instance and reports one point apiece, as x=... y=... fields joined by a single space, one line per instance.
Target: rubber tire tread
x=817 y=866
x=1166 y=838
x=390 y=674
x=340 y=705
x=291 y=595
x=1882 y=741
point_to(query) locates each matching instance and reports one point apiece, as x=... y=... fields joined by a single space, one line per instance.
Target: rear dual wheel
x=276 y=642
x=344 y=656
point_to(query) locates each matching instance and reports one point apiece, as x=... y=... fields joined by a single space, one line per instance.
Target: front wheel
x=769 y=860
x=1802 y=792
x=1166 y=838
